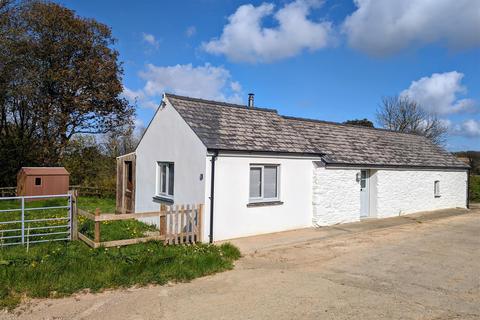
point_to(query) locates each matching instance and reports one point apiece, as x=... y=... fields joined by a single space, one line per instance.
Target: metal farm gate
x=34 y=219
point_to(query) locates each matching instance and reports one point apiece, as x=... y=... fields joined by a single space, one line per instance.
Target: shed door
x=129 y=185
x=364 y=193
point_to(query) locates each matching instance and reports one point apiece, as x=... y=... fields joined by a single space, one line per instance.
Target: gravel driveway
x=415 y=267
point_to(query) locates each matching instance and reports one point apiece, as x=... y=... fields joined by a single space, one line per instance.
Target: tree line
x=60 y=78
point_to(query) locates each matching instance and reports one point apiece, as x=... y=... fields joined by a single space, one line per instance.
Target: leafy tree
x=87 y=163
x=91 y=160
x=360 y=122
x=59 y=77
x=473 y=158
x=406 y=115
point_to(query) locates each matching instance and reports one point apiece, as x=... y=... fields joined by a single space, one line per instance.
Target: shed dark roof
x=44 y=171
x=226 y=126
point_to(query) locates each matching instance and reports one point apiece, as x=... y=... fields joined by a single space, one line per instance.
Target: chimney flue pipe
x=250 y=100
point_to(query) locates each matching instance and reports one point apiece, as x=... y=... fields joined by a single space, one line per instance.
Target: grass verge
x=59 y=269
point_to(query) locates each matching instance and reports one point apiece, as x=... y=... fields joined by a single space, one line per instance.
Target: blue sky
x=330 y=60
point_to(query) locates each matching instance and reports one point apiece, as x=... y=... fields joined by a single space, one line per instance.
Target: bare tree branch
x=406 y=115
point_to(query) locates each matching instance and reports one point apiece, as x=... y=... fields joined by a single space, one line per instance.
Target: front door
x=364 y=193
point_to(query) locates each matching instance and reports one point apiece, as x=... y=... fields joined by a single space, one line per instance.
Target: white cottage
x=258 y=172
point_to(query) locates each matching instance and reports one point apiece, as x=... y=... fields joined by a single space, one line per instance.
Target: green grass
x=106 y=205
x=116 y=230
x=475 y=188
x=59 y=269
x=110 y=230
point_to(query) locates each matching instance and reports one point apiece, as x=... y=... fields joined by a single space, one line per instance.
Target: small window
x=165 y=179
x=38 y=181
x=264 y=183
x=436 y=188
x=129 y=166
x=363 y=179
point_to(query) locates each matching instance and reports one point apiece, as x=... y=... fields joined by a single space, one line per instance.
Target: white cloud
x=190 y=31
x=439 y=93
x=139 y=123
x=150 y=39
x=245 y=38
x=382 y=27
x=236 y=86
x=139 y=97
x=132 y=95
x=468 y=128
x=207 y=81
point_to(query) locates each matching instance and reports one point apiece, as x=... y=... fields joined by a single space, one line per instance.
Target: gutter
x=468 y=189
x=391 y=166
x=212 y=193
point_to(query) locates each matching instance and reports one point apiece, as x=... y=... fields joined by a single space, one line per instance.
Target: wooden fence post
x=97 y=226
x=162 y=222
x=74 y=215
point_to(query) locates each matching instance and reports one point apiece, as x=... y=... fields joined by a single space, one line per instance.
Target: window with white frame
x=436 y=188
x=165 y=179
x=264 y=182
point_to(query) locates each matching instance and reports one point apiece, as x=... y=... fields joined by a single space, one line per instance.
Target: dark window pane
x=163 y=178
x=171 y=175
x=38 y=181
x=364 y=174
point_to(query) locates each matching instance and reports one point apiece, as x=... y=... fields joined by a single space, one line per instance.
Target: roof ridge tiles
x=220 y=103
x=347 y=125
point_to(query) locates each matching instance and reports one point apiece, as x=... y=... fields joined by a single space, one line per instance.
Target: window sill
x=264 y=203
x=163 y=199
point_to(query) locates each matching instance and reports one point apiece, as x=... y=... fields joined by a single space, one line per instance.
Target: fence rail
x=23 y=221
x=94 y=191
x=178 y=224
x=8 y=191
x=83 y=190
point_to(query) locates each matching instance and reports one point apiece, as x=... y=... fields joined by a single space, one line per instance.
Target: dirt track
x=426 y=267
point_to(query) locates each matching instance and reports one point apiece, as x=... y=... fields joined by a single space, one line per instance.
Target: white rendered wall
x=407 y=191
x=232 y=217
x=336 y=193
x=169 y=138
x=336 y=196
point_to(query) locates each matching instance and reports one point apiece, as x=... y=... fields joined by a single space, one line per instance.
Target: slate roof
x=225 y=126
x=44 y=171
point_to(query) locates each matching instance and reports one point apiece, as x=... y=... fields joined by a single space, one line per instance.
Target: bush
x=475 y=188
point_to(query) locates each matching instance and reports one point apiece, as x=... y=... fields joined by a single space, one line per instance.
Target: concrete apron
x=265 y=242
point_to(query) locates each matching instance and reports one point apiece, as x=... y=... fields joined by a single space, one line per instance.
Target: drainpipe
x=468 y=189
x=212 y=191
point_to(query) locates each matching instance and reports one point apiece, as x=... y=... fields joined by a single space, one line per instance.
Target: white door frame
x=364 y=193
